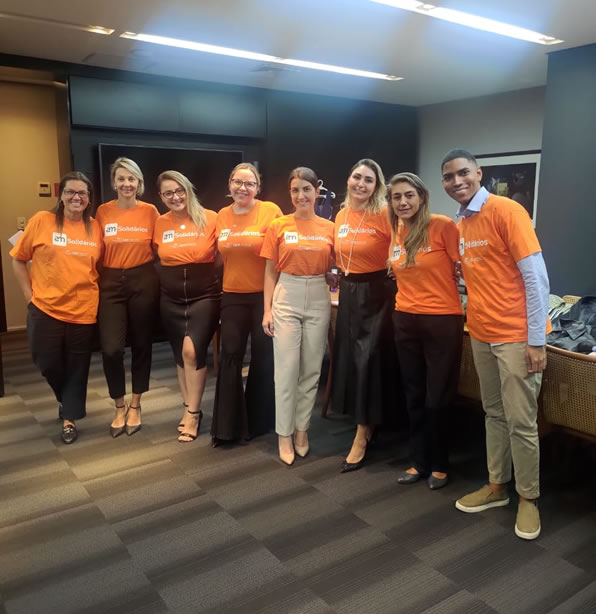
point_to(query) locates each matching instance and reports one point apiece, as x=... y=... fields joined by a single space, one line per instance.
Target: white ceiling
x=439 y=61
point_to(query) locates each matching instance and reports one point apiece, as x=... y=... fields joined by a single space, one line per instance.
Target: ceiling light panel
x=62 y=24
x=472 y=21
x=250 y=55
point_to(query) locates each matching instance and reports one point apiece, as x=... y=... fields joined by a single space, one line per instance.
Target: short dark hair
x=458 y=153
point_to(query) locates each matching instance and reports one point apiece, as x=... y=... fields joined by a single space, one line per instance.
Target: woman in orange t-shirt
x=297 y=308
x=184 y=239
x=428 y=323
x=128 y=292
x=64 y=246
x=365 y=371
x=240 y=230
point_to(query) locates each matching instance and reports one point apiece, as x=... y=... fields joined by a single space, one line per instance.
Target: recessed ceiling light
x=250 y=55
x=472 y=21
x=62 y=24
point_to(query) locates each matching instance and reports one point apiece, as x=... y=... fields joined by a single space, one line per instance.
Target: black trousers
x=128 y=307
x=238 y=413
x=62 y=352
x=429 y=351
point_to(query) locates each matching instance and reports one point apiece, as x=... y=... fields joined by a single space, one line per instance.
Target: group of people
x=399 y=324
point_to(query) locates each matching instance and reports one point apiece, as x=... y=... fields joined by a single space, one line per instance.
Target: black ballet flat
x=436 y=483
x=410 y=478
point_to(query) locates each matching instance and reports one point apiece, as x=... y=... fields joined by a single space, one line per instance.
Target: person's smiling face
x=461 y=180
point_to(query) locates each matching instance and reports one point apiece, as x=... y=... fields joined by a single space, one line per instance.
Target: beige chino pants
x=301 y=311
x=510 y=400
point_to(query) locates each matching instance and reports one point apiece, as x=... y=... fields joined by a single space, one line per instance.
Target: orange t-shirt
x=240 y=237
x=179 y=242
x=362 y=240
x=63 y=267
x=428 y=287
x=299 y=246
x=127 y=234
x=491 y=243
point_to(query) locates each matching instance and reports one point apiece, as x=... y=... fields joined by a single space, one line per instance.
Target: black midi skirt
x=365 y=368
x=189 y=305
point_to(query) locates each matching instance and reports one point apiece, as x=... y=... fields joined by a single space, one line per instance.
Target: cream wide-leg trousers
x=301 y=311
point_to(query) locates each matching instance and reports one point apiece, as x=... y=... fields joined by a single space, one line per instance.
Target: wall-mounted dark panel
x=566 y=216
x=223 y=113
x=118 y=104
x=205 y=109
x=207 y=169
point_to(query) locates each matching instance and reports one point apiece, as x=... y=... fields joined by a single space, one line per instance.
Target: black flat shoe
x=436 y=483
x=131 y=430
x=409 y=478
x=69 y=433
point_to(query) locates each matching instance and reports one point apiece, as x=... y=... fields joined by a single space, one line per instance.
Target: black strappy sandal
x=190 y=436
x=181 y=424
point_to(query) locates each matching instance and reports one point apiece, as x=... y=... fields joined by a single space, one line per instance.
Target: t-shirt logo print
x=342 y=233
x=224 y=234
x=59 y=238
x=396 y=252
x=291 y=237
x=111 y=230
x=462 y=244
x=168 y=236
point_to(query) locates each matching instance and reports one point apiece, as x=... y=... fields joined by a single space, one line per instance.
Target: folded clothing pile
x=574 y=326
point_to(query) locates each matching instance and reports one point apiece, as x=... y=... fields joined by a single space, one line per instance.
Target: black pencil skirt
x=189 y=305
x=365 y=367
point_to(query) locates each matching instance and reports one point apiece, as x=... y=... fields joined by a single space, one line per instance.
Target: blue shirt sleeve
x=533 y=271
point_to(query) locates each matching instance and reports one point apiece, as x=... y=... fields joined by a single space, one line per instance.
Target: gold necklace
x=341 y=256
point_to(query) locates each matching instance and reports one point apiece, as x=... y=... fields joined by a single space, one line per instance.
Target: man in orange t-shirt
x=507 y=318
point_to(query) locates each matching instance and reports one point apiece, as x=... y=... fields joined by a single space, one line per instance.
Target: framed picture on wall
x=514 y=175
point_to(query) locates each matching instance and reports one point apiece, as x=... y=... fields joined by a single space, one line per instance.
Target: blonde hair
x=247 y=166
x=133 y=168
x=418 y=235
x=196 y=211
x=377 y=200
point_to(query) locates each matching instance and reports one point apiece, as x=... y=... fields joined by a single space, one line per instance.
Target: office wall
x=29 y=153
x=280 y=130
x=330 y=134
x=490 y=124
x=567 y=199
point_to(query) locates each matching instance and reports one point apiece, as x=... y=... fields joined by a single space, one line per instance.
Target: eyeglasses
x=238 y=183
x=170 y=193
x=72 y=193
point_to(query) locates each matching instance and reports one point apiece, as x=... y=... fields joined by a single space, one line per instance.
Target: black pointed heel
x=131 y=430
x=116 y=431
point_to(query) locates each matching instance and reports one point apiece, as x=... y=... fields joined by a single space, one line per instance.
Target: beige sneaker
x=527 y=524
x=481 y=500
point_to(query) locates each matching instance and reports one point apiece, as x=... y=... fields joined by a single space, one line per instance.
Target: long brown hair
x=59 y=208
x=418 y=235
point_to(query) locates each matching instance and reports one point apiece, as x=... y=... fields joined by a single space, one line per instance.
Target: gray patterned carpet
x=146 y=524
